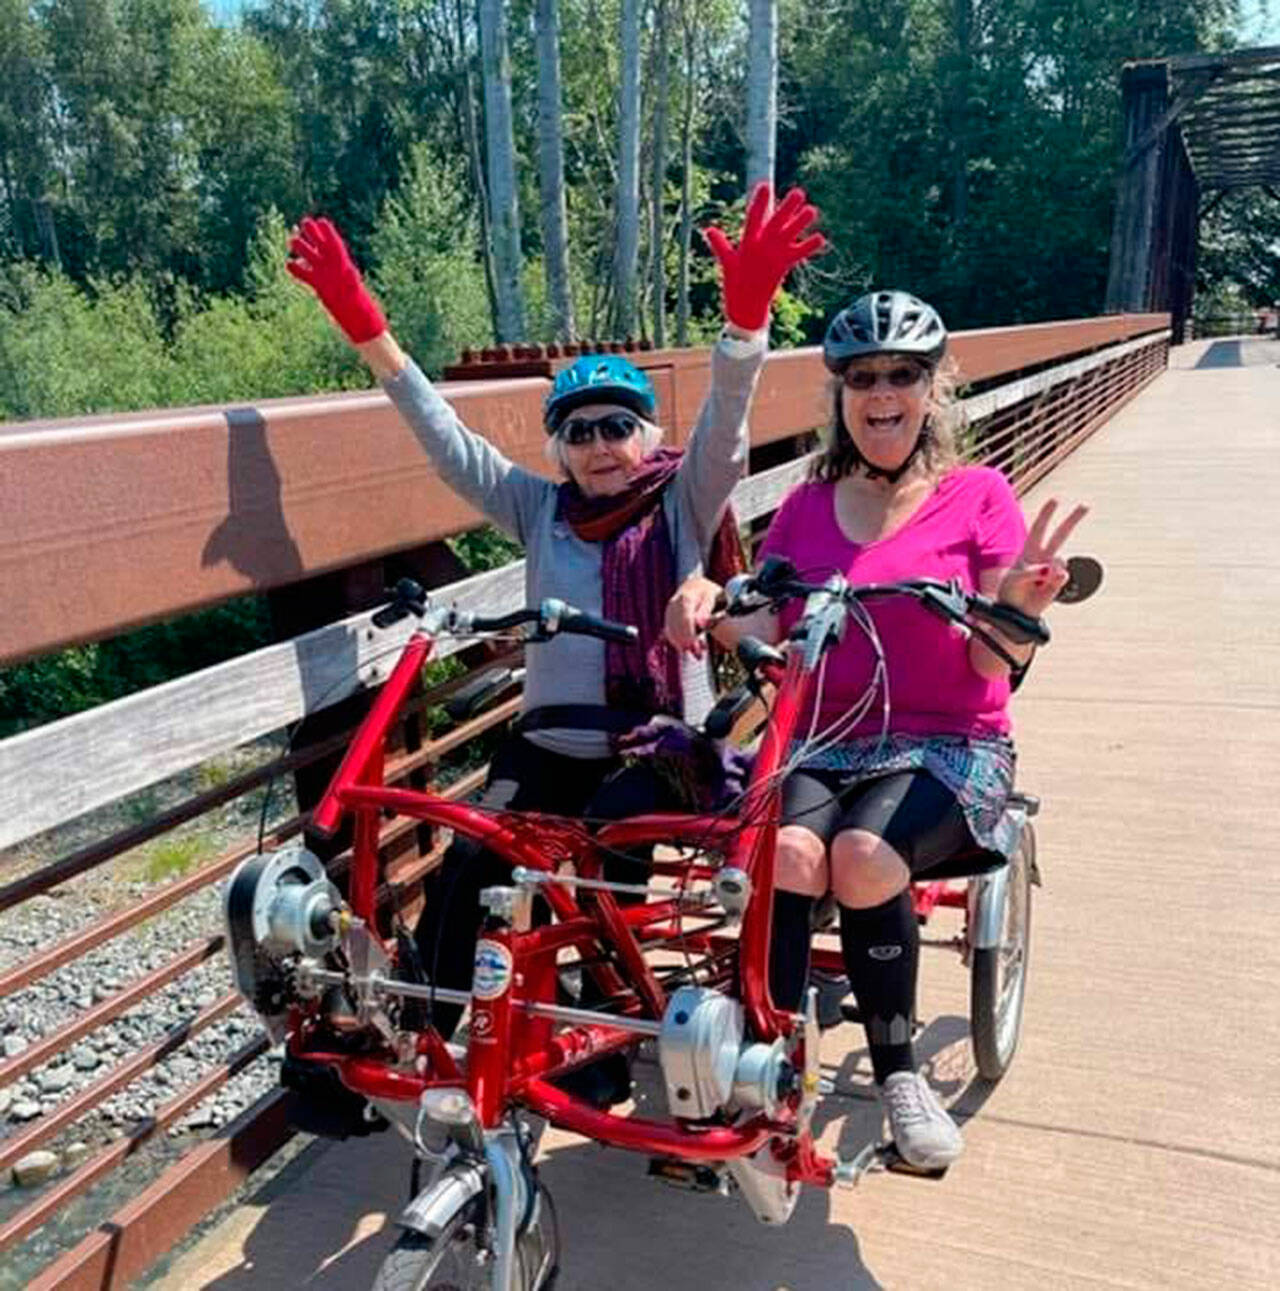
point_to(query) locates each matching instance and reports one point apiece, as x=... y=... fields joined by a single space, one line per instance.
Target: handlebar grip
x=1019 y=627
x=408 y=597
x=390 y=614
x=588 y=625
x=728 y=708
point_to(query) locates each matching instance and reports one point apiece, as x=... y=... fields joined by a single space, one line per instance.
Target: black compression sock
x=789 y=951
x=881 y=948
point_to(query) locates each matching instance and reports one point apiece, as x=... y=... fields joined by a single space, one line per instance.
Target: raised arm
x=773 y=242
x=468 y=463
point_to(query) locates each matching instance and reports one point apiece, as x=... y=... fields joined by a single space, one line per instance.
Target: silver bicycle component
x=762 y=1180
x=737 y=587
x=825 y=616
x=764 y=1077
x=732 y=889
x=448 y=1106
x=275 y=907
x=502 y=1157
x=294 y=904
x=849 y=1170
x=513 y=906
x=987 y=896
x=550 y=612
x=1000 y=937
x=525 y=877
x=370 y=967
x=698 y=1050
x=811 y=1083
x=435 y=1205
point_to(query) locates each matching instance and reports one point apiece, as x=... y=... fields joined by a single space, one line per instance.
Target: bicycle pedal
x=892 y=1160
x=693 y=1176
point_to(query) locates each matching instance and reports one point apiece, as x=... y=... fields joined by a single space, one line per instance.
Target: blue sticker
x=492 y=971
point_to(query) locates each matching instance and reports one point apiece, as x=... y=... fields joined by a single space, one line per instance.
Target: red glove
x=319 y=257
x=770 y=248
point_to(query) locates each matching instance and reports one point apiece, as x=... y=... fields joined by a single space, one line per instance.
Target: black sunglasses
x=613 y=429
x=900 y=378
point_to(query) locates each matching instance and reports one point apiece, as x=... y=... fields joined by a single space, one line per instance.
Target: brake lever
x=950 y=603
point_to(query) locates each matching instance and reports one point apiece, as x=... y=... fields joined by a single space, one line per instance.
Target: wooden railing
x=115 y=521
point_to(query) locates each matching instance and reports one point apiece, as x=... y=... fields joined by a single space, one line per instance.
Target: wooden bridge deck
x=1136 y=1141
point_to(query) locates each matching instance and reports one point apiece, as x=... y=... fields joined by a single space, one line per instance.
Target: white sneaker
x=925 y=1136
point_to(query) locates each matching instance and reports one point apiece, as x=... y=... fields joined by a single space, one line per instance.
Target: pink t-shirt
x=970 y=523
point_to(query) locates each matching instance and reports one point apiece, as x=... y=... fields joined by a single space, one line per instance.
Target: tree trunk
x=628 y=245
x=501 y=149
x=555 y=224
x=658 y=279
x=477 y=166
x=762 y=91
x=960 y=116
x=689 y=23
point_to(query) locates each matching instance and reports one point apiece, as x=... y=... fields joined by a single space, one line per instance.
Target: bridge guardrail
x=1034 y=410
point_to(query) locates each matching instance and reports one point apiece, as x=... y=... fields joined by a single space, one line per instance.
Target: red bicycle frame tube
x=371 y=736
x=640 y=1135
x=489 y=1052
x=757 y=849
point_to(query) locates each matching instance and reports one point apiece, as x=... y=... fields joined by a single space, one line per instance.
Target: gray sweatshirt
x=571 y=669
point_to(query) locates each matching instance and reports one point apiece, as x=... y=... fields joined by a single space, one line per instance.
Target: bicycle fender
x=434 y=1207
x=987 y=895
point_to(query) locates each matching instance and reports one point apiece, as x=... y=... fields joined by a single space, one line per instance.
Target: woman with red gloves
x=628 y=523
x=868 y=808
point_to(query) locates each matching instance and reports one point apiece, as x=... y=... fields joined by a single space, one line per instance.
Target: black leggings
x=522 y=777
x=922 y=821
x=914 y=813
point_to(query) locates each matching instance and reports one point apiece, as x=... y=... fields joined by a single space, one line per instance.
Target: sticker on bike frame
x=492 y=970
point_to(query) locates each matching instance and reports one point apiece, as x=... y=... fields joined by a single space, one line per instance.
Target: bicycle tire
x=998 y=974
x=455 y=1260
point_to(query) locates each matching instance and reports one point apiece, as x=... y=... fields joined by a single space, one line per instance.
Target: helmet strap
x=893 y=475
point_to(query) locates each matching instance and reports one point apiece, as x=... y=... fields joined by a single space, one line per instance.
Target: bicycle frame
x=513 y=1052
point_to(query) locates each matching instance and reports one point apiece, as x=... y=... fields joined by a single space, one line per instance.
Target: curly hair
x=944 y=423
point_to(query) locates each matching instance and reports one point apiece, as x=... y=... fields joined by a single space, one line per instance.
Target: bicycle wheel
x=456 y=1260
x=998 y=975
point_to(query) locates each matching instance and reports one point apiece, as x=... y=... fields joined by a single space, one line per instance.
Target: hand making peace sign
x=1040 y=573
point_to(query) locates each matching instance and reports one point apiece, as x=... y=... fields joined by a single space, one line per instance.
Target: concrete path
x=1136 y=1141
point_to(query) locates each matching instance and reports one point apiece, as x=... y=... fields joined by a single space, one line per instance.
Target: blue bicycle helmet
x=598 y=378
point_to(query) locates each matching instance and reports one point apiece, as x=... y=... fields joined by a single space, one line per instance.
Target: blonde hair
x=650 y=433
x=944 y=423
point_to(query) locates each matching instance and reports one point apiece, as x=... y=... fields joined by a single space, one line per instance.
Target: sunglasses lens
x=616 y=429
x=612 y=430
x=865 y=378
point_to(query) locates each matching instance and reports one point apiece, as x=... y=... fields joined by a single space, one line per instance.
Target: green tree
x=429 y=278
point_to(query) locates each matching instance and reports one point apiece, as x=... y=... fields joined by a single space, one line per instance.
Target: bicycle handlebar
x=776 y=581
x=552 y=617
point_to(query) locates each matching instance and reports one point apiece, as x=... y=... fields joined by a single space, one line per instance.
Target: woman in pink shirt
x=888 y=501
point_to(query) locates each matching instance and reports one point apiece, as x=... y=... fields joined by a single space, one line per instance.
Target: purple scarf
x=639 y=574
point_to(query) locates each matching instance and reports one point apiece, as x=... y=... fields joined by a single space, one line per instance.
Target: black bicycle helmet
x=884 y=322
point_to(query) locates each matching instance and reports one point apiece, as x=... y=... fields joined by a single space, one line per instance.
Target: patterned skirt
x=979 y=772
